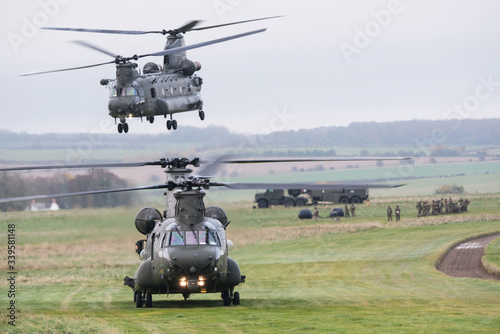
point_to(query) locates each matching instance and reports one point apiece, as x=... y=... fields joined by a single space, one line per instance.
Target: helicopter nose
x=192 y=260
x=115 y=105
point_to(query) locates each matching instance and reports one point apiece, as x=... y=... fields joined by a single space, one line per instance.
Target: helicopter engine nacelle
x=216 y=212
x=188 y=67
x=151 y=68
x=146 y=218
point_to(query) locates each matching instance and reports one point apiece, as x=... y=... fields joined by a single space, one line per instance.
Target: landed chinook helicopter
x=186 y=248
x=158 y=90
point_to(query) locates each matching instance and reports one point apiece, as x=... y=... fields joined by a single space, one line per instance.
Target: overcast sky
x=323 y=63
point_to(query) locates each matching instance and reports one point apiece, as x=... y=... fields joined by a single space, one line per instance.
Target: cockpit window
x=176 y=238
x=207 y=238
x=179 y=238
x=191 y=238
x=124 y=91
x=130 y=91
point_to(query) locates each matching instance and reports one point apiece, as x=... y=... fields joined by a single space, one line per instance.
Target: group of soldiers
x=346 y=211
x=397 y=212
x=441 y=207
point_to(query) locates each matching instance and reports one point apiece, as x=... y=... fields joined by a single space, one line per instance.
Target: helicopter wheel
x=226 y=298
x=169 y=124
x=174 y=124
x=138 y=300
x=120 y=127
x=201 y=113
x=151 y=119
x=125 y=127
x=236 y=298
x=149 y=300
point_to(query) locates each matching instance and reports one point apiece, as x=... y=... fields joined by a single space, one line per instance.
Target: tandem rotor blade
x=119 y=59
x=106 y=31
x=318 y=186
x=94 y=192
x=232 y=23
x=199 y=45
x=68 y=69
x=124 y=164
x=190 y=26
x=211 y=167
x=260 y=161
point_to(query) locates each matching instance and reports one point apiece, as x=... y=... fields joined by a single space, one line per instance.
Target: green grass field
x=360 y=275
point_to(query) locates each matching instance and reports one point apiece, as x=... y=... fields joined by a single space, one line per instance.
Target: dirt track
x=465 y=259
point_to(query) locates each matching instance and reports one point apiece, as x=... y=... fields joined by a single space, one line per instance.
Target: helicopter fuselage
x=180 y=261
x=185 y=254
x=153 y=94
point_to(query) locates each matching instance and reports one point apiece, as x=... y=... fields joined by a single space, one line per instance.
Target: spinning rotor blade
x=96 y=48
x=119 y=59
x=118 y=164
x=232 y=23
x=183 y=29
x=199 y=45
x=210 y=169
x=68 y=69
x=318 y=186
x=309 y=160
x=94 y=192
x=105 y=31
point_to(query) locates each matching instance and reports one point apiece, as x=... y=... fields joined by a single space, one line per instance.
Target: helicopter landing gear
x=201 y=113
x=122 y=127
x=138 y=299
x=228 y=296
x=149 y=300
x=151 y=119
x=143 y=299
x=172 y=124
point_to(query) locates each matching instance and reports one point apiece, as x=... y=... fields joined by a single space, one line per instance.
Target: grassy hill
x=360 y=275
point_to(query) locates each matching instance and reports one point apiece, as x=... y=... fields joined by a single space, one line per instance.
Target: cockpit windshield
x=125 y=91
x=207 y=237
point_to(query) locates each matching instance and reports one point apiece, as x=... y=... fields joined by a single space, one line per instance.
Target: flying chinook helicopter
x=186 y=248
x=158 y=90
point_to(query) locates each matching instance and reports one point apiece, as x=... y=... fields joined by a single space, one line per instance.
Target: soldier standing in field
x=353 y=210
x=316 y=214
x=346 y=209
x=389 y=213
x=398 y=213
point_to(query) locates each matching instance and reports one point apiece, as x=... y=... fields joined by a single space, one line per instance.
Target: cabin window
x=153 y=93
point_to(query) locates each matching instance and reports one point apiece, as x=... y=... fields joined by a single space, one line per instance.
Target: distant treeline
x=17 y=185
x=429 y=138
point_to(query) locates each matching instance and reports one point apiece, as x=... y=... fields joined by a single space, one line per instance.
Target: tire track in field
x=67 y=300
x=464 y=260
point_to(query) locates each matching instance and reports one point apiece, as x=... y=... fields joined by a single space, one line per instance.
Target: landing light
x=201 y=281
x=183 y=281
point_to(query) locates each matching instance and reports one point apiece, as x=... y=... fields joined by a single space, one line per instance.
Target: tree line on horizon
x=17 y=185
x=430 y=138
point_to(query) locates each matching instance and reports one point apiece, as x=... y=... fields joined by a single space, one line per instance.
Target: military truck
x=344 y=195
x=280 y=197
x=297 y=197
